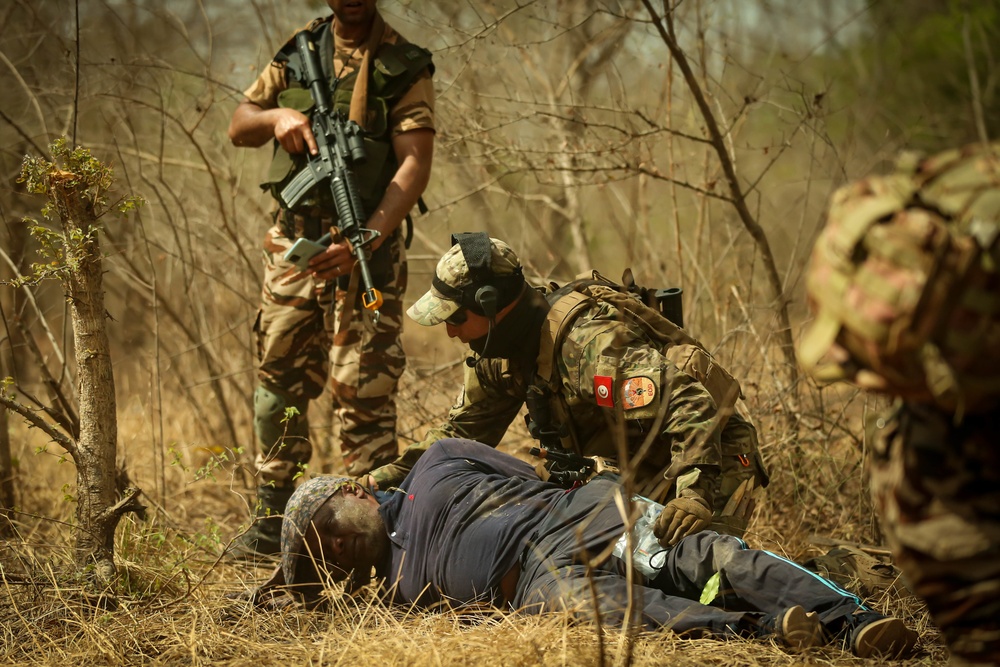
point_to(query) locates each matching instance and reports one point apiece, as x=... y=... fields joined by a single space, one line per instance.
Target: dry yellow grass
x=49 y=626
x=174 y=610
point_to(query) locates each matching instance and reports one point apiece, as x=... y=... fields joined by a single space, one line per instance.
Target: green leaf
x=711 y=590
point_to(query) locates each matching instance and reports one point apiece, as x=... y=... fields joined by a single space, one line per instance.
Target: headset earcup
x=486 y=299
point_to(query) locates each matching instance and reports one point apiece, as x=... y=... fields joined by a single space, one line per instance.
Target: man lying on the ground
x=471 y=525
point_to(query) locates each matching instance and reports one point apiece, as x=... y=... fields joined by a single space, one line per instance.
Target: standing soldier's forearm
x=415 y=151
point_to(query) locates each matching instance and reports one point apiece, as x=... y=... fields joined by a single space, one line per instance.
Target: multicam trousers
x=936 y=486
x=304 y=336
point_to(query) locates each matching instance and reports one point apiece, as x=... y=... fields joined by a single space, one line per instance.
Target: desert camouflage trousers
x=312 y=332
x=936 y=486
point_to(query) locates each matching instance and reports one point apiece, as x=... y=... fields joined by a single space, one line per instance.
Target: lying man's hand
x=681 y=517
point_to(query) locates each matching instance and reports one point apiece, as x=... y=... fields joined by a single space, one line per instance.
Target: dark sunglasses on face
x=457 y=318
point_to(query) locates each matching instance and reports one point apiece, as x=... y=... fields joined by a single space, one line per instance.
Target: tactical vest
x=905 y=280
x=549 y=414
x=394 y=69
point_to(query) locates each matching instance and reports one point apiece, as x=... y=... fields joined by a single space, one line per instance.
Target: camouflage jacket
x=604 y=366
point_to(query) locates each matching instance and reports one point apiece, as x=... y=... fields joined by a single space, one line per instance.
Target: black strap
x=478 y=252
x=447 y=291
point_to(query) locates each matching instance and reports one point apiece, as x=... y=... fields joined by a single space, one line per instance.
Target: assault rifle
x=341 y=146
x=565 y=467
x=569 y=468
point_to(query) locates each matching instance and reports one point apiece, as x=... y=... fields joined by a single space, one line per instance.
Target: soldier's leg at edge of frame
x=292 y=354
x=936 y=487
x=283 y=438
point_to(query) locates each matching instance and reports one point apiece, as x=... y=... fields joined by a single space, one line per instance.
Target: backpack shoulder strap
x=561 y=315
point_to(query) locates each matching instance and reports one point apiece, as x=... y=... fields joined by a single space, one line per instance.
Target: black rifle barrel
x=313 y=71
x=332 y=133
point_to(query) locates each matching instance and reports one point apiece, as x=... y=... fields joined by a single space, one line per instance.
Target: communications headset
x=488 y=293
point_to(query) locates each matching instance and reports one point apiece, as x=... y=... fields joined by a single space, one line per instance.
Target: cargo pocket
x=740 y=456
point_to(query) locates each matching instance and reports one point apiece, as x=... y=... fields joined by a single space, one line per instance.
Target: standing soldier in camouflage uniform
x=602 y=375
x=905 y=284
x=312 y=321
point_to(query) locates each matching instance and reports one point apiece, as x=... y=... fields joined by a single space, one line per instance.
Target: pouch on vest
x=284 y=164
x=395 y=68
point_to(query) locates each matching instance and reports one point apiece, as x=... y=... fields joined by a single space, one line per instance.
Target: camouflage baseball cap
x=452 y=270
x=299 y=513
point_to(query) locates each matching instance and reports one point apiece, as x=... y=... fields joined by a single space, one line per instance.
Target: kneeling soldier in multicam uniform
x=602 y=374
x=905 y=283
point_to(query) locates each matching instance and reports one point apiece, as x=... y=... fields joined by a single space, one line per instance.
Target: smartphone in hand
x=303 y=250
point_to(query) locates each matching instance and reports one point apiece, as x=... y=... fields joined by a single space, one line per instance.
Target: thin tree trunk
x=665 y=27
x=97 y=444
x=7 y=498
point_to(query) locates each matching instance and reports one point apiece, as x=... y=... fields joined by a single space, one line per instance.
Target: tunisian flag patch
x=602 y=391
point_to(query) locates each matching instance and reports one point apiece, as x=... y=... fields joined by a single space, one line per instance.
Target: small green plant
x=63 y=251
x=210 y=537
x=216 y=461
x=176 y=458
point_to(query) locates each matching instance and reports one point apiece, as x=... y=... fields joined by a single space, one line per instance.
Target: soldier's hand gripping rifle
x=341 y=146
x=563 y=466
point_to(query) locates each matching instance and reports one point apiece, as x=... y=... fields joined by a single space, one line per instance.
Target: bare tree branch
x=39 y=423
x=665 y=28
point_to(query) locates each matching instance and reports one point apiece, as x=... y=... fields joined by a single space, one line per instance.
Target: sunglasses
x=457 y=318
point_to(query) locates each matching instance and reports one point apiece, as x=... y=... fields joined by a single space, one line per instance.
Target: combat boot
x=795 y=628
x=263 y=540
x=886 y=638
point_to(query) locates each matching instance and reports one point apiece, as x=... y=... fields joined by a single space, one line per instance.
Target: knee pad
x=269 y=421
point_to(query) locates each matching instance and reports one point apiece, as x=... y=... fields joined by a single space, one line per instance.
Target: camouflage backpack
x=905 y=285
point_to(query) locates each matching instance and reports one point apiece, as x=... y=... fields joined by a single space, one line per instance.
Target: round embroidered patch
x=637 y=392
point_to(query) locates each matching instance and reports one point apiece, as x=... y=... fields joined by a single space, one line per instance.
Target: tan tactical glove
x=367 y=481
x=681 y=517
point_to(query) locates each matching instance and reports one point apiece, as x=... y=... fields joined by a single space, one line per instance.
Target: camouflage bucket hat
x=904 y=281
x=299 y=513
x=453 y=270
